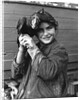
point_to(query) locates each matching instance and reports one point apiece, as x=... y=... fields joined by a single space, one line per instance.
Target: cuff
x=16 y=65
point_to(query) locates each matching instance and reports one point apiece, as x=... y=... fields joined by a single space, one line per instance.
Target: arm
x=19 y=64
x=49 y=66
x=20 y=55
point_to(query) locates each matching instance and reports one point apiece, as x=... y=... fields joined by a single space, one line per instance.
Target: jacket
x=47 y=79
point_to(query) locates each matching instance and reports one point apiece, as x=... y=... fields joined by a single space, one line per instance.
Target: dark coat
x=46 y=79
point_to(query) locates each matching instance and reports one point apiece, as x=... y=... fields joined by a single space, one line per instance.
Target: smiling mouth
x=47 y=37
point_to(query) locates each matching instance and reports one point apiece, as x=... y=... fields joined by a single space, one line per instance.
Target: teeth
x=47 y=37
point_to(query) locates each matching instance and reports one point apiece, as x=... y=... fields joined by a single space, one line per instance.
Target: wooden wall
x=68 y=32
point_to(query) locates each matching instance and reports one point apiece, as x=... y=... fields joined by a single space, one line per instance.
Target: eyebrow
x=50 y=26
x=47 y=26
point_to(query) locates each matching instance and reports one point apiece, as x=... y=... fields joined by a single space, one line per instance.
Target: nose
x=45 y=32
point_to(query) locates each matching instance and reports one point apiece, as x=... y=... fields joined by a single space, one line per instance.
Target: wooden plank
x=71 y=49
x=9 y=56
x=68 y=38
x=69 y=43
x=6 y=75
x=67 y=35
x=73 y=75
x=29 y=9
x=7 y=61
x=72 y=66
x=68 y=24
x=63 y=23
x=11 y=21
x=15 y=17
x=10 y=47
x=73 y=57
x=10 y=34
x=75 y=83
x=61 y=33
x=7 y=65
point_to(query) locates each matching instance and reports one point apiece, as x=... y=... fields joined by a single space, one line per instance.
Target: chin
x=46 y=42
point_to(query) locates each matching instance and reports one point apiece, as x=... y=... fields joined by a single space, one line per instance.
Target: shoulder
x=59 y=51
x=57 y=45
x=58 y=48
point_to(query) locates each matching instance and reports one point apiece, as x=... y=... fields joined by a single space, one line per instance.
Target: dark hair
x=45 y=17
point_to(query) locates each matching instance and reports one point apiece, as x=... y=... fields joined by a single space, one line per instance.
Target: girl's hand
x=26 y=41
x=21 y=48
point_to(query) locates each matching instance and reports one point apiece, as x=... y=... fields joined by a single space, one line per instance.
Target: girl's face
x=46 y=33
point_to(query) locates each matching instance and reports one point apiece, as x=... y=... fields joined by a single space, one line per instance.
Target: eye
x=49 y=27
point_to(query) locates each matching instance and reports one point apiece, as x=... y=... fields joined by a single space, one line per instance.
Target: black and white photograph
x=40 y=49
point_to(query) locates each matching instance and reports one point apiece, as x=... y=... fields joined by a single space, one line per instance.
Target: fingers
x=20 y=38
x=25 y=43
x=26 y=37
x=25 y=40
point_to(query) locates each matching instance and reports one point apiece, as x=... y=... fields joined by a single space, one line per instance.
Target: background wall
x=68 y=33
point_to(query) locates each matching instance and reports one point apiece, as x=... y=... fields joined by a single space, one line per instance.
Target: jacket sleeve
x=49 y=66
x=18 y=70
